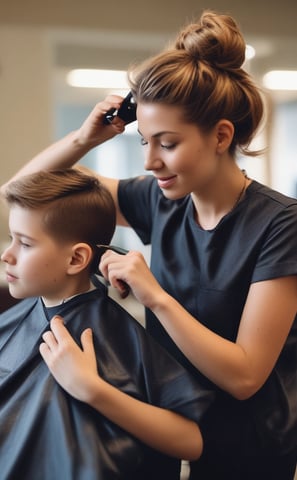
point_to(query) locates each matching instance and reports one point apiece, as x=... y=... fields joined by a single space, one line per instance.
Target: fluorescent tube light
x=111 y=79
x=281 y=80
x=92 y=78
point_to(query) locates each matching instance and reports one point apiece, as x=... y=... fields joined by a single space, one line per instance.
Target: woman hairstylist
x=221 y=295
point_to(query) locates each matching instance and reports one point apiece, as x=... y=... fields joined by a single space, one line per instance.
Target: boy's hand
x=74 y=368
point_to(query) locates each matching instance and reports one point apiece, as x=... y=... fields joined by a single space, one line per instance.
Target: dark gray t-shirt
x=210 y=273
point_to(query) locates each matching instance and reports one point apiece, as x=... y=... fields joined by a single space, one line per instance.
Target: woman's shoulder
x=270 y=196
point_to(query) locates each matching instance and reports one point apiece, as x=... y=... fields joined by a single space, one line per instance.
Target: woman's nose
x=152 y=160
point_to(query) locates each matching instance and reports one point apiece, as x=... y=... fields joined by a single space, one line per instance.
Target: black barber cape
x=45 y=434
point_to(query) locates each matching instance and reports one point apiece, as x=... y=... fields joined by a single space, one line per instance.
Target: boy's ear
x=81 y=257
x=225 y=133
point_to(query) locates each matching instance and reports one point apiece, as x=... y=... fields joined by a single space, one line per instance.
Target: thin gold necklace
x=245 y=179
x=240 y=196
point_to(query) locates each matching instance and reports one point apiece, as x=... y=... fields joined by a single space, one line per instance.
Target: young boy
x=149 y=407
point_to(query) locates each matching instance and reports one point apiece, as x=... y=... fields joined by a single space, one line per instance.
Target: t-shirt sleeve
x=278 y=256
x=136 y=198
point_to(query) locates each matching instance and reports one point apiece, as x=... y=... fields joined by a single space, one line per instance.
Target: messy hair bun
x=202 y=73
x=215 y=40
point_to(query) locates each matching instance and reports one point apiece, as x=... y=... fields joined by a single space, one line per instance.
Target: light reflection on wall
x=284 y=148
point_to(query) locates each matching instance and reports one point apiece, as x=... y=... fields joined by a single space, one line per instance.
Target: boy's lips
x=10 y=277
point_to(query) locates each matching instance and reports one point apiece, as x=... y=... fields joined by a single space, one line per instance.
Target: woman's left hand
x=133 y=270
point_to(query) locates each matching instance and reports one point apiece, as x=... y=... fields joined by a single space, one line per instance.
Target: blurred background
x=41 y=42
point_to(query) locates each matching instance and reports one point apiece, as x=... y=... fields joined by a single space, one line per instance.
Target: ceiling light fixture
x=111 y=79
x=92 y=78
x=250 y=52
x=280 y=80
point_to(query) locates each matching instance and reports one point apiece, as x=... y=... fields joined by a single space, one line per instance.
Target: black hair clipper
x=127 y=111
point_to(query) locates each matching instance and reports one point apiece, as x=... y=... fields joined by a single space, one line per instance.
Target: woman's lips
x=166 y=182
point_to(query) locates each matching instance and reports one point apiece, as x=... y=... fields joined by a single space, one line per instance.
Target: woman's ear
x=225 y=134
x=81 y=257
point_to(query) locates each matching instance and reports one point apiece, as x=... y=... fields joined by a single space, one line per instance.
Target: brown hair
x=77 y=207
x=202 y=72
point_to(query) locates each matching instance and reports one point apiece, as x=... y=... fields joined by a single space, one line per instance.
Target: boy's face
x=36 y=264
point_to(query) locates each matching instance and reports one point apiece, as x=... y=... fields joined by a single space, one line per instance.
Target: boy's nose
x=7 y=257
x=3 y=257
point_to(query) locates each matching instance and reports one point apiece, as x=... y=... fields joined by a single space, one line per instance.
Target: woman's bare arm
x=239 y=367
x=70 y=149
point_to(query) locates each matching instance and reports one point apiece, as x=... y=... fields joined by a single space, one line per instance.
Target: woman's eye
x=143 y=141
x=165 y=146
x=168 y=146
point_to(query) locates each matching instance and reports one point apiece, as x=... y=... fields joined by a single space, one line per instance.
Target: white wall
x=25 y=98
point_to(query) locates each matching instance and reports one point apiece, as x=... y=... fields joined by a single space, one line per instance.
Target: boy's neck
x=53 y=302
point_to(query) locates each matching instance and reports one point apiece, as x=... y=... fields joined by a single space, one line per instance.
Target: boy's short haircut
x=76 y=206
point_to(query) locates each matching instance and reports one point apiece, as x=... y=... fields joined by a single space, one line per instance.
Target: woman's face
x=179 y=154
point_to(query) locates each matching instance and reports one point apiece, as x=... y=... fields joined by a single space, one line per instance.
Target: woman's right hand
x=70 y=149
x=94 y=131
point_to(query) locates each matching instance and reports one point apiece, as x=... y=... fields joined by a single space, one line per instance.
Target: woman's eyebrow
x=159 y=134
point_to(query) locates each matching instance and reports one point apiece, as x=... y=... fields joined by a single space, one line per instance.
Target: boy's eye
x=24 y=244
